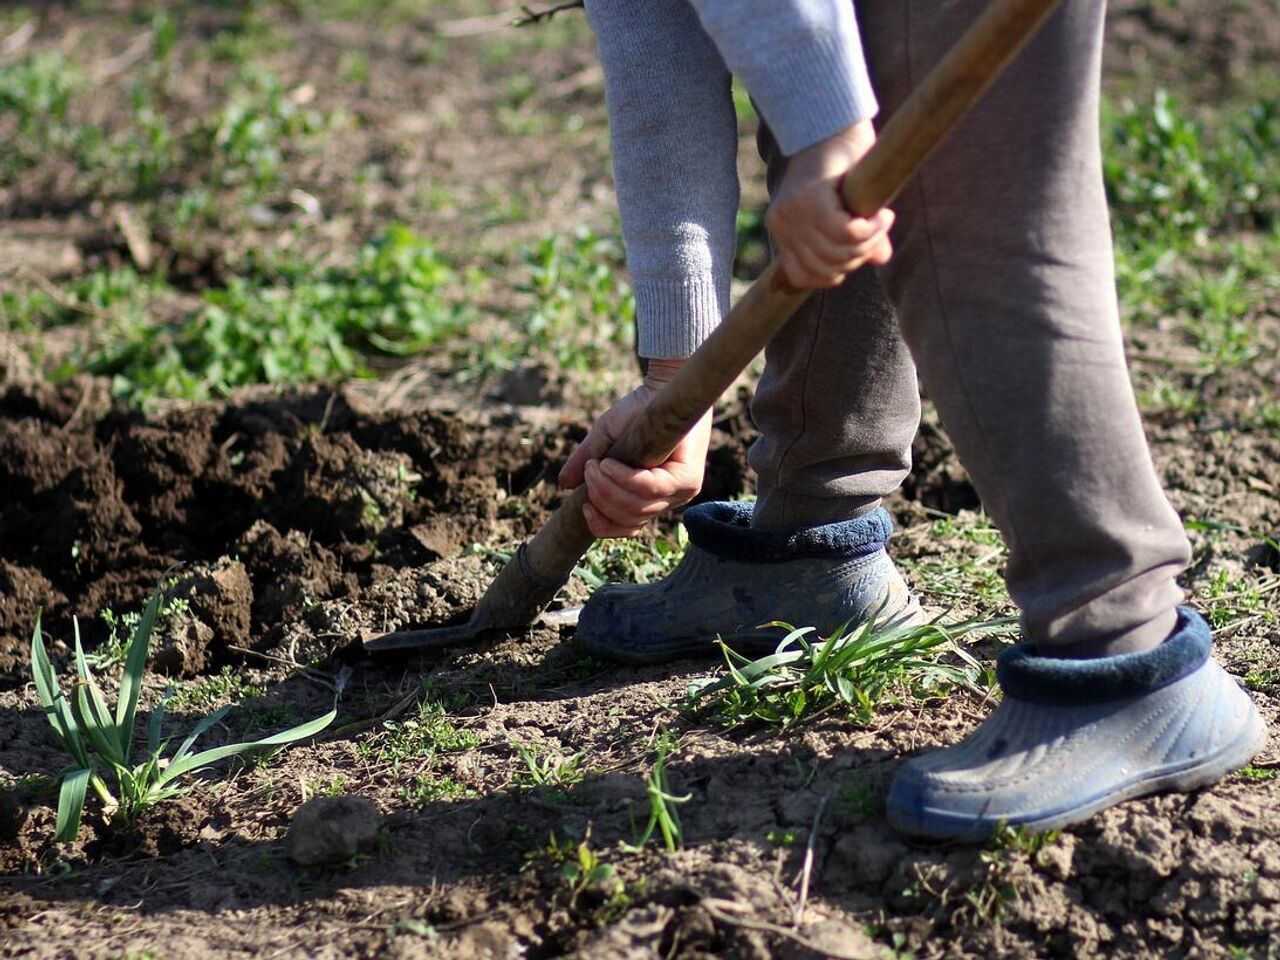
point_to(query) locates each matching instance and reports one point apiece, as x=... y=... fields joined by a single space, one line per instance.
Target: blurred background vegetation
x=196 y=197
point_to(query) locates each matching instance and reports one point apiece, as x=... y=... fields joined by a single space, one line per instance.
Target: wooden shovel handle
x=911 y=135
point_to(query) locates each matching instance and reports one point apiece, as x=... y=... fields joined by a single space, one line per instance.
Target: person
x=993 y=283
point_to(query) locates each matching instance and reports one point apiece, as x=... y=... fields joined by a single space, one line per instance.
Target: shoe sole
x=940 y=825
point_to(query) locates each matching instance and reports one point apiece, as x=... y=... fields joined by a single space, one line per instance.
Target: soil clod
x=329 y=830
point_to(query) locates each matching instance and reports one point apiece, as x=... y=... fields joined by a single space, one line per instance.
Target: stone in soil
x=328 y=830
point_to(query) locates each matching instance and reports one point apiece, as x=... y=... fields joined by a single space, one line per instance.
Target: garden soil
x=291 y=526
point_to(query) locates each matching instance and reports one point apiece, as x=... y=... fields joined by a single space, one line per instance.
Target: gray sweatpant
x=1004 y=295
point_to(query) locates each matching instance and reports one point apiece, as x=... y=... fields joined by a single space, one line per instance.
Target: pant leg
x=1003 y=280
x=838 y=404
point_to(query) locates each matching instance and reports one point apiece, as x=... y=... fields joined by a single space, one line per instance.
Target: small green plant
x=856 y=801
x=853 y=668
x=543 y=771
x=293 y=322
x=101 y=740
x=422 y=737
x=664 y=816
x=1021 y=840
x=586 y=870
x=201 y=694
x=585 y=312
x=1258 y=773
x=582 y=868
x=631 y=560
x=426 y=788
x=115 y=649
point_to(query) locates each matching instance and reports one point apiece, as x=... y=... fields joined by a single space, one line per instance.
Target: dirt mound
x=272 y=506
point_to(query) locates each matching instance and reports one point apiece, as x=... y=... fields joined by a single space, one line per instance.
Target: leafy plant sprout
x=664 y=816
x=854 y=667
x=100 y=740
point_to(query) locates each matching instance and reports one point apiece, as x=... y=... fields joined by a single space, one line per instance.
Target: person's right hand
x=622 y=499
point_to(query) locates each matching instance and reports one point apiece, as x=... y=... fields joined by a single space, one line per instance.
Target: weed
x=664 y=816
x=297 y=323
x=414 y=927
x=35 y=99
x=247 y=134
x=1264 y=681
x=424 y=736
x=426 y=788
x=115 y=649
x=582 y=868
x=585 y=312
x=543 y=771
x=336 y=786
x=856 y=801
x=970 y=570
x=853 y=668
x=1170 y=179
x=587 y=870
x=1021 y=840
x=632 y=560
x=101 y=739
x=1232 y=599
x=202 y=694
x=1258 y=773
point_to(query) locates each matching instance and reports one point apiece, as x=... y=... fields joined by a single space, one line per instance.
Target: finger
x=617 y=503
x=655 y=483
x=603 y=528
x=860 y=230
x=882 y=254
x=593 y=447
x=808 y=273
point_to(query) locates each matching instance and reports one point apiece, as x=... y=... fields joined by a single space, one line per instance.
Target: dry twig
x=530 y=16
x=807 y=870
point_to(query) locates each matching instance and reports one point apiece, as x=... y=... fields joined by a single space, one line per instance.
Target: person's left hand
x=818 y=241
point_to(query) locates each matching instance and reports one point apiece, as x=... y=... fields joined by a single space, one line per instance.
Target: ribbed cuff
x=812 y=92
x=674 y=316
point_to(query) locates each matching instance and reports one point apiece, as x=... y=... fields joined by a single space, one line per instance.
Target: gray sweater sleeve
x=674 y=133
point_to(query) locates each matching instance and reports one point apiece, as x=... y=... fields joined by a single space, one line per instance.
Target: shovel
x=532 y=577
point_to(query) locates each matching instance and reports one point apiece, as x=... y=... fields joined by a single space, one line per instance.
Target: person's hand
x=818 y=241
x=620 y=499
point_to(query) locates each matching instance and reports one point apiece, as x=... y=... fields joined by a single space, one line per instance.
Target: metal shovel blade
x=460 y=634
x=432 y=638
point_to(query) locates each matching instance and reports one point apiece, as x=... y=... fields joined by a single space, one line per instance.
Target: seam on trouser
x=820 y=312
x=958 y=369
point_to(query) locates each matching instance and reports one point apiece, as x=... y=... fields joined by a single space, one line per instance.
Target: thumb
x=593 y=447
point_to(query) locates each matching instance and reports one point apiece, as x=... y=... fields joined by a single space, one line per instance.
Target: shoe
x=734 y=580
x=1072 y=737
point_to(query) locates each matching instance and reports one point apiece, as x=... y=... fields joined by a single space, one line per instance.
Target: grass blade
x=55 y=704
x=206 y=757
x=131 y=679
x=155 y=722
x=71 y=804
x=199 y=728
x=95 y=715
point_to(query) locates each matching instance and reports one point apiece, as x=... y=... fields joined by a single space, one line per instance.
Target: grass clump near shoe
x=854 y=668
x=100 y=739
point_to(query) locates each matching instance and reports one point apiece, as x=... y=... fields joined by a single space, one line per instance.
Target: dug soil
x=296 y=526
x=285 y=529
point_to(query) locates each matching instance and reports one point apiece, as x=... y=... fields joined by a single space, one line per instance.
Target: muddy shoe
x=1073 y=737
x=733 y=580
